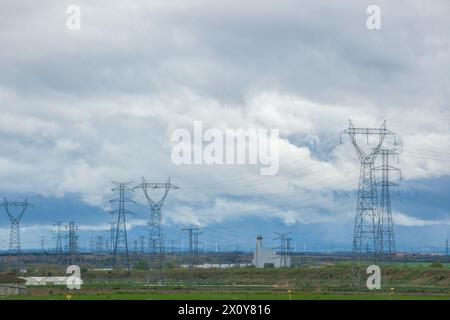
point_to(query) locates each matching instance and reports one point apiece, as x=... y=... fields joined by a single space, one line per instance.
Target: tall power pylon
x=196 y=244
x=386 y=237
x=141 y=244
x=14 y=236
x=43 y=243
x=72 y=242
x=193 y=243
x=99 y=244
x=155 y=232
x=91 y=245
x=120 y=238
x=366 y=228
x=237 y=253
x=446 y=247
x=135 y=247
x=289 y=248
x=172 y=246
x=58 y=238
x=284 y=249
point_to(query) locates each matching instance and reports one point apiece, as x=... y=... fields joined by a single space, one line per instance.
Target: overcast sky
x=82 y=108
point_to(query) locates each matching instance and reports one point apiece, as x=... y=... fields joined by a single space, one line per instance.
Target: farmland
x=299 y=283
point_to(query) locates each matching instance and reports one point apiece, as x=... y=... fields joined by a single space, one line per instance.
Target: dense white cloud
x=402 y=219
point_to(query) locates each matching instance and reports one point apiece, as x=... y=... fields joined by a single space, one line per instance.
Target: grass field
x=305 y=283
x=225 y=296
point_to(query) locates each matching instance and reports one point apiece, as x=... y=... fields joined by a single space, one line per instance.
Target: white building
x=264 y=256
x=44 y=281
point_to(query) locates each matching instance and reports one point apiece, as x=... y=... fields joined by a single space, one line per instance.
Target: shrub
x=140 y=265
x=436 y=265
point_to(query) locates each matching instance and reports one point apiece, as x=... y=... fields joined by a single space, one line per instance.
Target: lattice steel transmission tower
x=120 y=238
x=284 y=249
x=91 y=245
x=446 y=247
x=172 y=246
x=141 y=244
x=99 y=244
x=237 y=254
x=155 y=232
x=386 y=237
x=135 y=248
x=366 y=241
x=196 y=245
x=289 y=248
x=447 y=257
x=193 y=244
x=58 y=238
x=72 y=242
x=14 y=236
x=43 y=243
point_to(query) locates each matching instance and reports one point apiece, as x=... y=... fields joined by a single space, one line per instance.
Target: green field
x=412 y=282
x=225 y=296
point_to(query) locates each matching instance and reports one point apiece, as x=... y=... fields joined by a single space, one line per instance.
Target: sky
x=81 y=108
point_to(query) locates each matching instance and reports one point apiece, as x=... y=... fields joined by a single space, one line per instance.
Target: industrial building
x=11 y=285
x=56 y=281
x=264 y=257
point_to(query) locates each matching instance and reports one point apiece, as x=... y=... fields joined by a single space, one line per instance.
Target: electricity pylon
x=42 y=244
x=120 y=239
x=72 y=242
x=446 y=247
x=284 y=248
x=58 y=238
x=386 y=225
x=366 y=234
x=367 y=216
x=135 y=248
x=14 y=236
x=99 y=242
x=196 y=245
x=172 y=246
x=193 y=244
x=155 y=245
x=141 y=244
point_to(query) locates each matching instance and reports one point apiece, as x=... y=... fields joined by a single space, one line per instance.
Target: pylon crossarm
x=119 y=200
x=367 y=131
x=160 y=185
x=388 y=167
x=381 y=132
x=387 y=184
x=122 y=211
x=120 y=185
x=165 y=185
x=17 y=218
